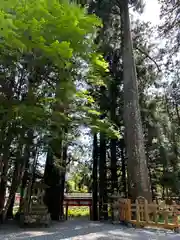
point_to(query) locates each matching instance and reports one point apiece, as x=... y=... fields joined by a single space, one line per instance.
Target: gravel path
x=84 y=230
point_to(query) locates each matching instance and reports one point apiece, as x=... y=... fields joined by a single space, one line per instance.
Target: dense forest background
x=90 y=101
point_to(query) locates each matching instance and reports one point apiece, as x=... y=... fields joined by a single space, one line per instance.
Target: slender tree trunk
x=94 y=183
x=22 y=190
x=114 y=178
x=19 y=168
x=153 y=190
x=103 y=208
x=177 y=112
x=63 y=173
x=6 y=138
x=5 y=165
x=137 y=164
x=27 y=153
x=113 y=144
x=123 y=167
x=14 y=186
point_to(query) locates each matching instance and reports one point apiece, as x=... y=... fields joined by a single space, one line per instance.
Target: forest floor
x=81 y=229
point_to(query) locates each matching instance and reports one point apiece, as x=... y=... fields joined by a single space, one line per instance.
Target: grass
x=170 y=219
x=78 y=211
x=72 y=211
x=15 y=209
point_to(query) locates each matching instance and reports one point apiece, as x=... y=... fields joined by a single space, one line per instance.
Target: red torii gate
x=78 y=199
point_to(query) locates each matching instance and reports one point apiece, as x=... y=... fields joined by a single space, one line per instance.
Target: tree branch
x=147 y=55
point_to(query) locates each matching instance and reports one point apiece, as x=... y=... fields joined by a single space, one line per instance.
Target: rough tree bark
x=95 y=182
x=138 y=175
x=52 y=179
x=123 y=166
x=5 y=165
x=113 y=143
x=103 y=211
x=54 y=175
x=22 y=190
x=63 y=173
x=10 y=209
x=18 y=169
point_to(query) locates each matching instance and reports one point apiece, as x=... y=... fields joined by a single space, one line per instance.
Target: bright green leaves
x=54 y=37
x=99 y=70
x=6 y=23
x=91 y=117
x=56 y=28
x=62 y=48
x=106 y=127
x=100 y=63
x=7 y=28
x=31 y=116
x=85 y=95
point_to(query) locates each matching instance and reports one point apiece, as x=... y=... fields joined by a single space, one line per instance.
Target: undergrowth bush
x=78 y=211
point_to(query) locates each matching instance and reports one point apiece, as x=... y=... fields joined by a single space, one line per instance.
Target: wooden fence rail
x=141 y=213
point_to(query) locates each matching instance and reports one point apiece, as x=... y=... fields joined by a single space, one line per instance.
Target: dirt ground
x=83 y=230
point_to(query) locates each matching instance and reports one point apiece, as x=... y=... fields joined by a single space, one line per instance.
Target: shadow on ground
x=84 y=230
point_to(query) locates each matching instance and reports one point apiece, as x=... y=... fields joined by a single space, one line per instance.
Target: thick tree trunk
x=10 y=209
x=52 y=179
x=95 y=182
x=136 y=163
x=54 y=175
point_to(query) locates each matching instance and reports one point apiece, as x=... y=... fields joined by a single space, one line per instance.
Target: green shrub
x=78 y=211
